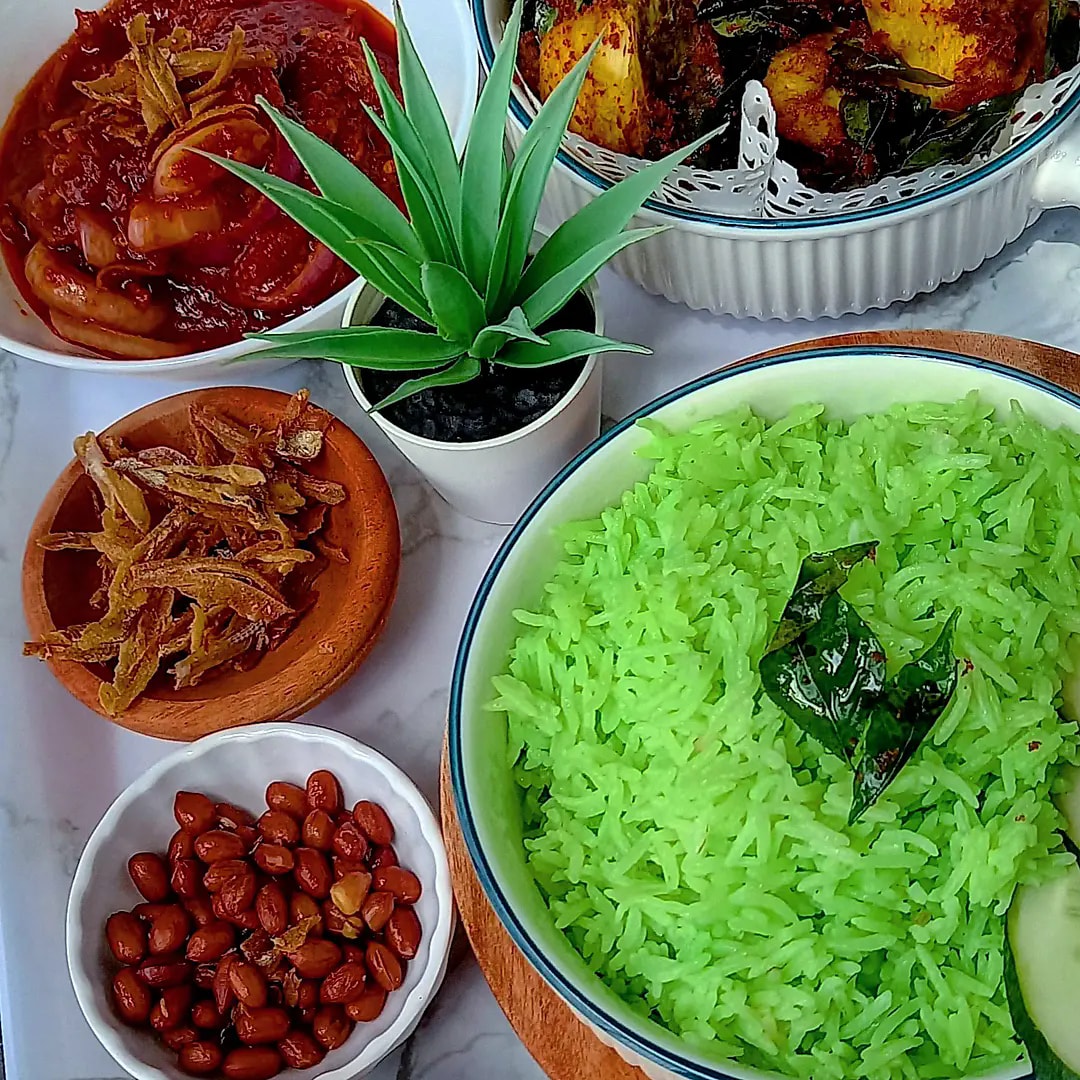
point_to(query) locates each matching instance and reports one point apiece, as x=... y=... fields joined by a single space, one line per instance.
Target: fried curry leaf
x=1062 y=36
x=820 y=575
x=750 y=18
x=861 y=119
x=828 y=678
x=903 y=717
x=886 y=69
x=959 y=138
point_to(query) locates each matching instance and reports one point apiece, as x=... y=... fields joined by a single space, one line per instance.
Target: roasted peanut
x=218 y=875
x=246 y=920
x=200 y=909
x=350 y=842
x=404 y=884
x=248 y=984
x=182 y=845
x=377 y=909
x=259 y=1026
x=203 y=976
x=273 y=858
x=353 y=954
x=312 y=872
x=172 y=1008
x=216 y=845
x=126 y=936
x=150 y=875
x=200 y=1058
x=168 y=930
x=193 y=811
x=368 y=1006
x=334 y=918
x=384 y=966
x=277 y=827
x=131 y=997
x=272 y=908
x=301 y=907
x=251 y=1063
x=349 y=892
x=178 y=1038
x=186 y=878
x=164 y=971
x=238 y=893
x=223 y=991
x=148 y=912
x=344 y=984
x=210 y=942
x=374 y=822
x=316 y=959
x=300 y=1050
x=232 y=817
x=307 y=994
x=204 y=1014
x=384 y=856
x=249 y=836
x=348 y=866
x=323 y=791
x=331 y=1027
x=290 y=798
x=403 y=932
x=318 y=830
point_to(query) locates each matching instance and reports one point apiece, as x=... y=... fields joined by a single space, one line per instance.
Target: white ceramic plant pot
x=495 y=479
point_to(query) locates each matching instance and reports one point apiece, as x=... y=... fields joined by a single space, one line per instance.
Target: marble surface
x=60 y=765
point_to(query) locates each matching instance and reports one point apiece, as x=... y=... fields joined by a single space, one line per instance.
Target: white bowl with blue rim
x=849 y=381
x=805 y=267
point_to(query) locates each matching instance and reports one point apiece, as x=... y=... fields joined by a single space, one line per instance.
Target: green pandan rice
x=692 y=842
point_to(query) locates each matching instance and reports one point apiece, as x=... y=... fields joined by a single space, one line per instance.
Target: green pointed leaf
x=428 y=211
x=532 y=166
x=457 y=309
x=605 y=215
x=342 y=182
x=829 y=678
x=820 y=575
x=423 y=108
x=483 y=170
x=492 y=338
x=336 y=226
x=392 y=272
x=468 y=367
x=553 y=294
x=562 y=345
x=364 y=346
x=911 y=706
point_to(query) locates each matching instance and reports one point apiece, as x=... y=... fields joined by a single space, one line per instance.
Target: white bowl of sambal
x=124 y=251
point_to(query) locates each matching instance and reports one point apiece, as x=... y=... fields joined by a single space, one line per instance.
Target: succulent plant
x=460 y=260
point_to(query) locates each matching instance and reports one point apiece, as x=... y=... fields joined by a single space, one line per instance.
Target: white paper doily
x=764 y=185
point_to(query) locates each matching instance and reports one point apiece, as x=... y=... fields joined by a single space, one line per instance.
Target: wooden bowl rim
x=290 y=692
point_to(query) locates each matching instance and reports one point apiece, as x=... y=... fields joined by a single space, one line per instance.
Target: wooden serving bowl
x=322 y=651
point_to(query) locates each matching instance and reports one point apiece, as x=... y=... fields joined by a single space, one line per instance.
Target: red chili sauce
x=134 y=248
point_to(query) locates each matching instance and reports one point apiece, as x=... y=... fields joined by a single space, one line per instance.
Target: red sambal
x=129 y=245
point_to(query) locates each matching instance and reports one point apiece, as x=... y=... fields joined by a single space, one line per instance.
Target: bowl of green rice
x=670 y=851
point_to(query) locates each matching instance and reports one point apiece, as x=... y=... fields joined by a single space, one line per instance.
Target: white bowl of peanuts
x=268 y=901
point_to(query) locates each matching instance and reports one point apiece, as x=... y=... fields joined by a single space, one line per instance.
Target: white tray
x=61 y=765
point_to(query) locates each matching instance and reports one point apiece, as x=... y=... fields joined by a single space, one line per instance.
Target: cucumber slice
x=1068 y=802
x=1042 y=974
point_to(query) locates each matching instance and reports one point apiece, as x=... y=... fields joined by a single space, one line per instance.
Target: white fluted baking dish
x=807 y=267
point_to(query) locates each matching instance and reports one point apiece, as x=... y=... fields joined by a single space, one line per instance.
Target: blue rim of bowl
x=551 y=975
x=1064 y=112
